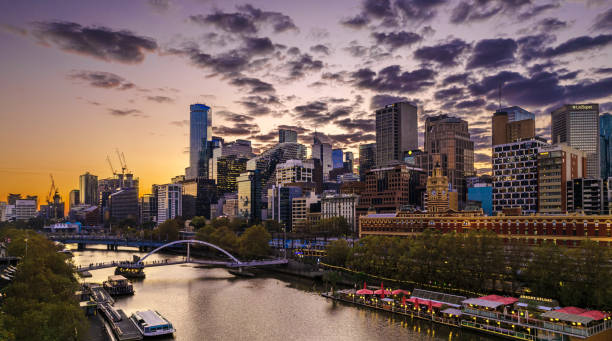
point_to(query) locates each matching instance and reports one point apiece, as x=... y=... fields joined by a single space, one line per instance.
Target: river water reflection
x=211 y=304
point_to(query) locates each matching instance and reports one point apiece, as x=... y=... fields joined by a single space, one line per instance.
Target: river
x=211 y=304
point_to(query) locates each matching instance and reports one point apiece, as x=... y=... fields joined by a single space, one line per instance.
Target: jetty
x=120 y=323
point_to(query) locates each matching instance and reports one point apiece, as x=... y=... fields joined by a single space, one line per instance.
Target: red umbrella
x=400 y=292
x=382 y=295
x=364 y=291
x=429 y=306
x=416 y=303
x=404 y=301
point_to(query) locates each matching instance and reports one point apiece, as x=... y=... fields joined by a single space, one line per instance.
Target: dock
x=120 y=323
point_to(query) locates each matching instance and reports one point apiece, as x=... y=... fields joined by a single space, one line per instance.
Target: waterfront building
x=564 y=229
x=123 y=204
x=322 y=151
x=447 y=143
x=337 y=158
x=367 y=158
x=292 y=171
x=588 y=196
x=387 y=189
x=396 y=132
x=25 y=209
x=605 y=153
x=300 y=208
x=228 y=169
x=341 y=205
x=198 y=196
x=148 y=208
x=266 y=162
x=169 y=202
x=482 y=193
x=287 y=135
x=230 y=205
x=200 y=134
x=249 y=195
x=85 y=214
x=512 y=124
x=88 y=189
x=440 y=197
x=515 y=175
x=557 y=164
x=280 y=199
x=578 y=126
x=74 y=198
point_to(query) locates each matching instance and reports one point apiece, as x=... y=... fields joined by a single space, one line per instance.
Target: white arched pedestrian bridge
x=233 y=263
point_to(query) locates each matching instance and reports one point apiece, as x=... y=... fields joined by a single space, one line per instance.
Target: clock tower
x=439 y=197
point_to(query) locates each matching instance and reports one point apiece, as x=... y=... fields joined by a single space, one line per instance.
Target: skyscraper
x=605 y=134
x=169 y=202
x=74 y=198
x=88 y=189
x=287 y=135
x=349 y=159
x=200 y=134
x=323 y=152
x=396 y=132
x=447 y=143
x=249 y=196
x=266 y=162
x=337 y=158
x=578 y=126
x=512 y=124
x=367 y=158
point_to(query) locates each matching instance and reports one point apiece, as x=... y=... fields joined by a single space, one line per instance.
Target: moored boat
x=151 y=323
x=118 y=285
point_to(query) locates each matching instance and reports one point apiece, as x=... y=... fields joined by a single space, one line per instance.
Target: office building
x=447 y=143
x=198 y=196
x=123 y=204
x=200 y=134
x=229 y=168
x=26 y=209
x=287 y=135
x=557 y=164
x=367 y=158
x=322 y=151
x=349 y=161
x=396 y=132
x=11 y=198
x=578 y=126
x=512 y=124
x=88 y=189
x=515 y=175
x=440 y=196
x=605 y=152
x=300 y=208
x=74 y=198
x=341 y=205
x=239 y=149
x=337 y=158
x=588 y=196
x=292 y=171
x=482 y=193
x=280 y=199
x=266 y=162
x=386 y=189
x=148 y=208
x=3 y=211
x=85 y=214
x=169 y=202
x=230 y=205
x=249 y=195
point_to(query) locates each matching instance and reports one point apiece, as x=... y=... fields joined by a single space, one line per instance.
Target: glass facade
x=200 y=134
x=337 y=158
x=605 y=133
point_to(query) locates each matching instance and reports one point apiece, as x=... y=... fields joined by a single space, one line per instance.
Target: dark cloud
x=126 y=113
x=246 y=21
x=258 y=45
x=259 y=105
x=538 y=90
x=536 y=10
x=379 y=101
x=396 y=39
x=100 y=79
x=474 y=11
x=377 y=8
x=298 y=129
x=492 y=83
x=310 y=109
x=530 y=46
x=279 y=21
x=578 y=44
x=392 y=79
x=491 y=53
x=234 y=117
x=255 y=85
x=460 y=78
x=364 y=125
x=356 y=50
x=603 y=22
x=320 y=48
x=569 y=75
x=95 y=41
x=159 y=5
x=301 y=64
x=183 y=123
x=482 y=157
x=419 y=10
x=470 y=104
x=588 y=90
x=318 y=112
x=449 y=93
x=445 y=54
x=551 y=24
x=160 y=99
x=272 y=135
x=352 y=138
x=237 y=129
x=357 y=21
x=604 y=70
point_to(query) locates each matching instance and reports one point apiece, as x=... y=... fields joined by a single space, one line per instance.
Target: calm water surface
x=211 y=304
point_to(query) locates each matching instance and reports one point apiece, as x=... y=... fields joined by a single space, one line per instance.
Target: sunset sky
x=82 y=78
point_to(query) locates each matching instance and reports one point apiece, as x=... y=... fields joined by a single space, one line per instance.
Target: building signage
x=582 y=107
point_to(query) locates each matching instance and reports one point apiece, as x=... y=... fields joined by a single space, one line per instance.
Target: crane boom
x=111 y=165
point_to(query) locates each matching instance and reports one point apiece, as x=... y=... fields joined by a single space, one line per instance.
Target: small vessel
x=151 y=323
x=118 y=285
x=130 y=270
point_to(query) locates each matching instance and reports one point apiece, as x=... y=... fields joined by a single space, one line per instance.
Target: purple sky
x=81 y=78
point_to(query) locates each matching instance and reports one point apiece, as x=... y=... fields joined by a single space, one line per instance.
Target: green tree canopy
x=254 y=242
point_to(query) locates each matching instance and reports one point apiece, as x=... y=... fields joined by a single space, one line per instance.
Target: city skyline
x=109 y=81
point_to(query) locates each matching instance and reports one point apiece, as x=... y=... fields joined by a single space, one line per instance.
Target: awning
x=400 y=292
x=482 y=303
x=421 y=301
x=388 y=300
x=380 y=292
x=566 y=317
x=594 y=314
x=365 y=292
x=452 y=311
x=501 y=299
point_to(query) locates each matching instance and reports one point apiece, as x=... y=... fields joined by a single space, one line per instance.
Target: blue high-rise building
x=605 y=148
x=200 y=134
x=484 y=194
x=337 y=158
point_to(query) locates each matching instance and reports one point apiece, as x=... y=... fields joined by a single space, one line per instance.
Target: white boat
x=151 y=323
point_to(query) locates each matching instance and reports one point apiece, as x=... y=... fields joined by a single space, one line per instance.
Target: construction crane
x=111 y=165
x=53 y=191
x=122 y=162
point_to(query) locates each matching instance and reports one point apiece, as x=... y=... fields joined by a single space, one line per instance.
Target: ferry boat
x=151 y=323
x=130 y=270
x=118 y=285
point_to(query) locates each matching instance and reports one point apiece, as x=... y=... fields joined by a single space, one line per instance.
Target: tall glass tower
x=200 y=133
x=605 y=136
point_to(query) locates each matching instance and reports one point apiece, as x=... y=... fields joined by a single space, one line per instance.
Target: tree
x=198 y=222
x=254 y=242
x=337 y=252
x=168 y=230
